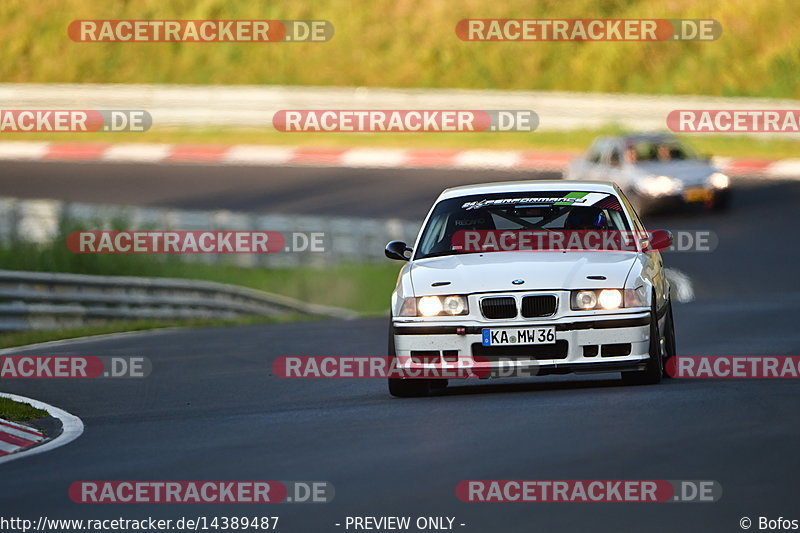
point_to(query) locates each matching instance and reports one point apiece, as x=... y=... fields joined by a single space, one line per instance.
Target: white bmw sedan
x=529 y=278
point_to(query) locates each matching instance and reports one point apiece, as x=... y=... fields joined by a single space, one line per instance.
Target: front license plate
x=698 y=195
x=510 y=336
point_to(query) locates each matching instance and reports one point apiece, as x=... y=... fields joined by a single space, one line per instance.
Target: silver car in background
x=656 y=172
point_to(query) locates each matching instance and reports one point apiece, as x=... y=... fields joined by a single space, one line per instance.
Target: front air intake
x=538 y=306
x=496 y=308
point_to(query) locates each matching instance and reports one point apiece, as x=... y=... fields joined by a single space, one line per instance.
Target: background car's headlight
x=659 y=185
x=588 y=299
x=718 y=180
x=435 y=306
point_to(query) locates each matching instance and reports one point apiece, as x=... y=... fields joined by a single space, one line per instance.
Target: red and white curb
x=263 y=155
x=16 y=437
x=17 y=440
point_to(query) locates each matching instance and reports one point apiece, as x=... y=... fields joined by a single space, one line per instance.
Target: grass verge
x=19 y=412
x=412 y=43
x=22 y=338
x=364 y=288
x=361 y=287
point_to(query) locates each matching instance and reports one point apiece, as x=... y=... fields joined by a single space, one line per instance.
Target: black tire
x=722 y=201
x=409 y=388
x=654 y=370
x=670 y=348
x=406 y=388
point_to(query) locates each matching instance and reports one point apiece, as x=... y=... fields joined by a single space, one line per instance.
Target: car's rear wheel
x=654 y=370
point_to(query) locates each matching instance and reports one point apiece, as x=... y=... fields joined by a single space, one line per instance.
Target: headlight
x=719 y=180
x=610 y=299
x=429 y=306
x=659 y=185
x=589 y=299
x=455 y=305
x=635 y=297
x=584 y=299
x=435 y=306
x=409 y=307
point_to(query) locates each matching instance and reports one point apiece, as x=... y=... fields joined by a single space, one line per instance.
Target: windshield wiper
x=449 y=252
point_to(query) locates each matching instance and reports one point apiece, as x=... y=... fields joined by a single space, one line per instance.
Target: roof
x=652 y=137
x=528 y=186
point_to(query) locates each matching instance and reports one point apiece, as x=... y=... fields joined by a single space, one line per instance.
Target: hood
x=487 y=272
x=690 y=171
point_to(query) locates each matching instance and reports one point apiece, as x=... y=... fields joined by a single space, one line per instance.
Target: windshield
x=658 y=151
x=517 y=212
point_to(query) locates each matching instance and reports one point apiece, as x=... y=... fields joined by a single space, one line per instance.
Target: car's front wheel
x=669 y=339
x=721 y=201
x=654 y=370
x=406 y=388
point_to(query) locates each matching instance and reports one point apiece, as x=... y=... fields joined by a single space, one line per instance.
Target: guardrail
x=44 y=300
x=346 y=239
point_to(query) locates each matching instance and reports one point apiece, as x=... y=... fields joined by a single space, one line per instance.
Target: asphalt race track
x=211 y=410
x=379 y=193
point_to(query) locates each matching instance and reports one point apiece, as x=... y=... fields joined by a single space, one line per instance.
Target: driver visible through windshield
x=455 y=221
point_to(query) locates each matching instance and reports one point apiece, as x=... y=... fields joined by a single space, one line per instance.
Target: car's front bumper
x=702 y=196
x=601 y=343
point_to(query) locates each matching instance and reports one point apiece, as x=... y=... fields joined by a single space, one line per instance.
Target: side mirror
x=397 y=250
x=660 y=239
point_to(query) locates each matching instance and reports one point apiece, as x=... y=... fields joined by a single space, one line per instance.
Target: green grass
x=364 y=288
x=568 y=141
x=19 y=412
x=412 y=43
